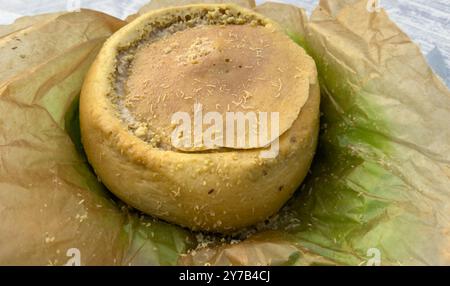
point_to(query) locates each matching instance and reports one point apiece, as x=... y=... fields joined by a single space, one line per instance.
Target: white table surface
x=426 y=22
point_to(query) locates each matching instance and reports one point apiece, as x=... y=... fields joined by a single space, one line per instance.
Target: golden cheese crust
x=218 y=191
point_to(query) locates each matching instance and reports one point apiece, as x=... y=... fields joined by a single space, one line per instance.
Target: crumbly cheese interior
x=235 y=65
